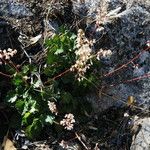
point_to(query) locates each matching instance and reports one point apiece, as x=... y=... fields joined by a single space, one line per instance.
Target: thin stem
x=58 y=76
x=79 y=138
x=14 y=66
x=147 y=75
x=11 y=64
x=6 y=75
x=126 y=64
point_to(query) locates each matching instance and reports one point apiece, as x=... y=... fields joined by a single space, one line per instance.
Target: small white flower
x=52 y=107
x=126 y=115
x=148 y=43
x=7 y=54
x=83 y=54
x=1 y=56
x=7 y=57
x=9 y=50
x=68 y=121
x=63 y=144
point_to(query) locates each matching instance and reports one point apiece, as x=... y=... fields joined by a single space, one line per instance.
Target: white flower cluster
x=148 y=43
x=104 y=16
x=64 y=144
x=52 y=107
x=101 y=16
x=83 y=54
x=68 y=121
x=103 y=54
x=7 y=54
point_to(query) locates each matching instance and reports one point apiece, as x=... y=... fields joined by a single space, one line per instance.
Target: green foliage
x=30 y=93
x=60 y=54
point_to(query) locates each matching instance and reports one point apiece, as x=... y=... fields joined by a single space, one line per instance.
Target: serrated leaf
x=20 y=105
x=17 y=80
x=34 y=129
x=73 y=37
x=51 y=58
x=25 y=69
x=33 y=108
x=49 y=119
x=59 y=51
x=27 y=118
x=37 y=84
x=67 y=97
x=13 y=99
x=25 y=94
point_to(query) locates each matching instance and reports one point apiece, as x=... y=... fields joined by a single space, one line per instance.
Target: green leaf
x=73 y=37
x=25 y=69
x=27 y=118
x=25 y=94
x=37 y=84
x=13 y=99
x=17 y=80
x=67 y=97
x=30 y=105
x=49 y=119
x=33 y=107
x=51 y=58
x=34 y=130
x=20 y=105
x=59 y=51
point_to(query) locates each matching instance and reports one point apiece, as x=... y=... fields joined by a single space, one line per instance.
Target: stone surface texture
x=124 y=28
x=141 y=141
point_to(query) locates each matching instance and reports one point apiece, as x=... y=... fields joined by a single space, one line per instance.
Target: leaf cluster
x=33 y=89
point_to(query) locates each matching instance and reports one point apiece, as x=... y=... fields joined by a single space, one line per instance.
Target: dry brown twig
x=79 y=138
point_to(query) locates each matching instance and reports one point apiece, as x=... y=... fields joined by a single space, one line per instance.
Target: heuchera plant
x=53 y=92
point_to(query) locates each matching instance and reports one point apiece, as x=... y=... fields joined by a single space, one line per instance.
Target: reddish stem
x=11 y=64
x=147 y=75
x=125 y=65
x=59 y=75
x=14 y=66
x=6 y=75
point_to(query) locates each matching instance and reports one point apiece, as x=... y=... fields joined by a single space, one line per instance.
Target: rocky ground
x=121 y=26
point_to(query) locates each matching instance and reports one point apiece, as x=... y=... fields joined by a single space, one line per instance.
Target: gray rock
x=19 y=10
x=14 y=9
x=124 y=29
x=141 y=140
